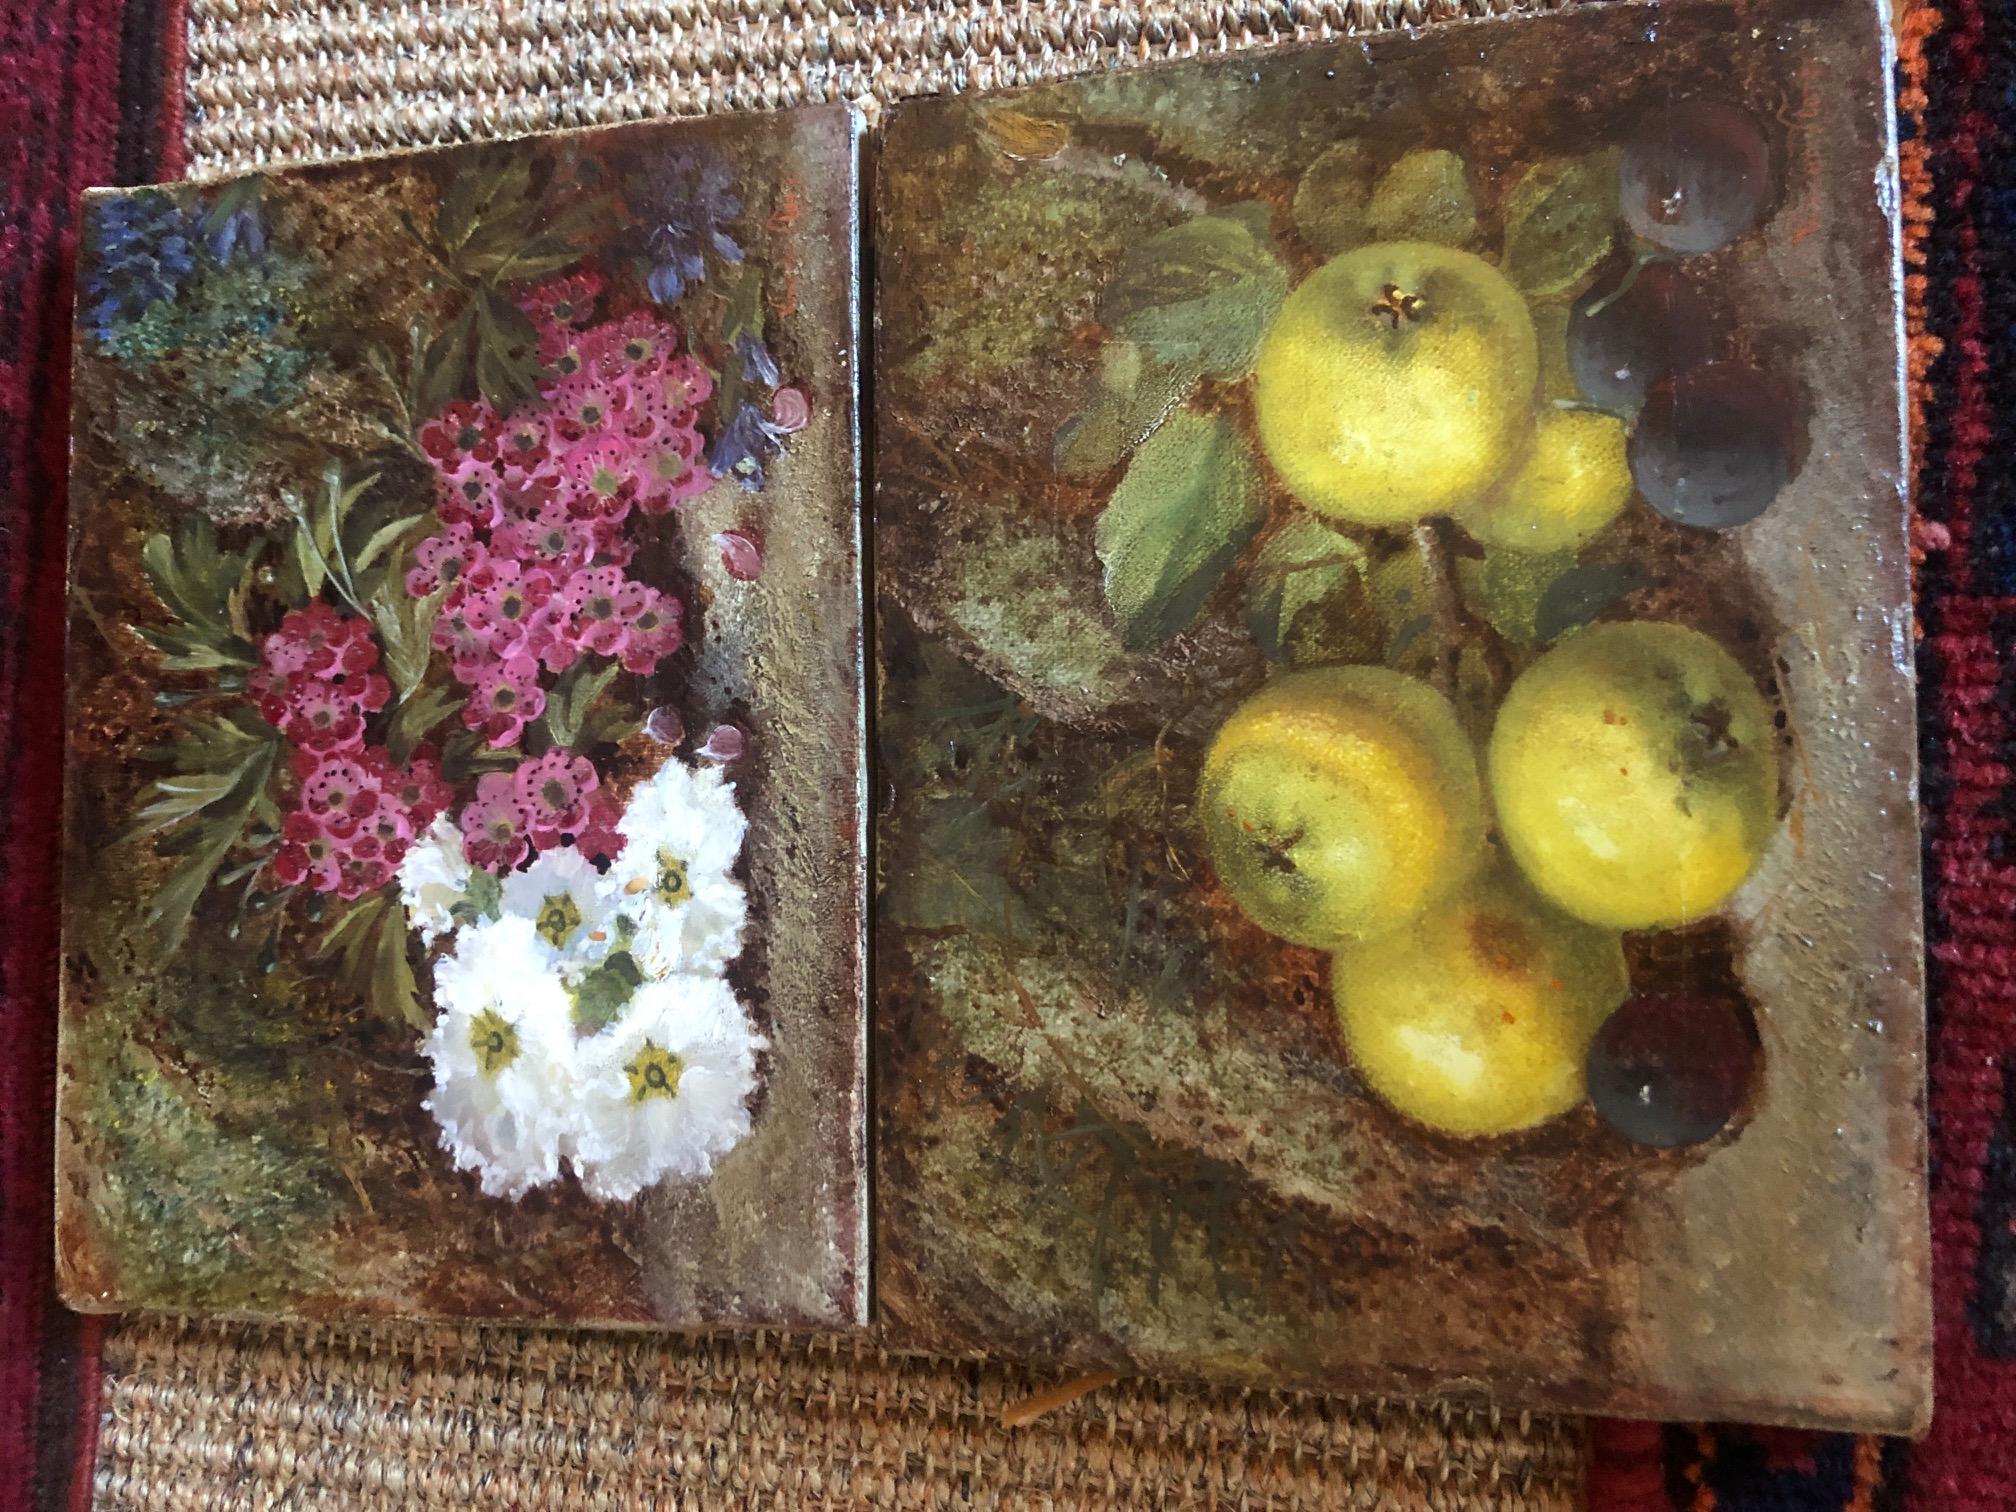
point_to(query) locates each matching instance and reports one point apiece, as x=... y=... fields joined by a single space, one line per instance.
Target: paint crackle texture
x=465 y=864
x=1397 y=860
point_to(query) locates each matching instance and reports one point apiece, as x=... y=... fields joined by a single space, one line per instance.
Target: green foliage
x=1560 y=219
x=1201 y=292
x=1580 y=594
x=1135 y=392
x=205 y=588
x=601 y=993
x=1426 y=196
x=1189 y=502
x=1333 y=197
x=1506 y=588
x=1297 y=568
x=573 y=696
x=367 y=941
x=497 y=227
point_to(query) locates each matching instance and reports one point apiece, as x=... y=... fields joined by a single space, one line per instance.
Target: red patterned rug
x=90 y=93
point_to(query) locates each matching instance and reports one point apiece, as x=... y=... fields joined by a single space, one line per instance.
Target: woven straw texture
x=204 y=1417
x=214 y=1417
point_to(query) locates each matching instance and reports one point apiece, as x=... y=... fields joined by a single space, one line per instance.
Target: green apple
x=1339 y=802
x=1570 y=481
x=1476 y=1019
x=1397 y=381
x=1635 y=776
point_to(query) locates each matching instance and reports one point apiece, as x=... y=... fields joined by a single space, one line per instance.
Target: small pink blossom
x=418 y=792
x=363 y=874
x=553 y=790
x=587 y=408
x=565 y=301
x=599 y=838
x=320 y=714
x=683 y=387
x=460 y=632
x=505 y=599
x=495 y=824
x=552 y=539
x=672 y=470
x=318 y=641
x=525 y=446
x=741 y=554
x=604 y=473
x=464 y=431
x=444 y=560
x=505 y=699
x=340 y=794
x=470 y=493
x=307 y=854
x=599 y=603
x=637 y=346
x=653 y=633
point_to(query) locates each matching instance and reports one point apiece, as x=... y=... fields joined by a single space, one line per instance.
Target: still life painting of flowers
x=463 y=909
x=1399 y=867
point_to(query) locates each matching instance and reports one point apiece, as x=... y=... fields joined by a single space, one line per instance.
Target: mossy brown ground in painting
x=1119 y=1123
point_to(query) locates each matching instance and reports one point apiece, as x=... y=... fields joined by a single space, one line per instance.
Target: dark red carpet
x=90 y=93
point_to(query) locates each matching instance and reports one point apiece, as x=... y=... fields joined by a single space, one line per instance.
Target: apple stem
x=1458 y=626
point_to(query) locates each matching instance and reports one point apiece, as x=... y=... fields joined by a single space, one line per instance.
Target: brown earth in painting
x=1119 y=1123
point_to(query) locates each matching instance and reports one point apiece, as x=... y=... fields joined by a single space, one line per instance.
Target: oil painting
x=464 y=906
x=1396 y=852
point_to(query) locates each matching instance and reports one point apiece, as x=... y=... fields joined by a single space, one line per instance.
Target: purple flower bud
x=741 y=554
x=725 y=744
x=665 y=726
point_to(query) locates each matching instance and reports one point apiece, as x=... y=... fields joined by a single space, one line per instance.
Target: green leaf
x=489 y=189
x=608 y=721
x=1505 y=588
x=170 y=800
x=385 y=536
x=484 y=894
x=507 y=352
x=1560 y=219
x=189 y=650
x=1201 y=292
x=207 y=841
x=1297 y=568
x=444 y=367
x=418 y=714
x=1334 y=198
x=1580 y=594
x=1190 y=500
x=601 y=994
x=406 y=627
x=1134 y=394
x=394 y=994
x=572 y=697
x=1426 y=196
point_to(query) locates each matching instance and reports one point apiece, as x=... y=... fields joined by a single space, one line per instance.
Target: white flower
x=561 y=894
x=433 y=878
x=672 y=884
x=663 y=1089
x=503 y=1052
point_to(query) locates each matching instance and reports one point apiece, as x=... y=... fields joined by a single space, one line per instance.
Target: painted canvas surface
x=463 y=906
x=1397 y=861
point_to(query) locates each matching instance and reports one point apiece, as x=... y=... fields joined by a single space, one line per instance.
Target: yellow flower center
x=672 y=888
x=654 y=1072
x=558 y=917
x=494 y=1042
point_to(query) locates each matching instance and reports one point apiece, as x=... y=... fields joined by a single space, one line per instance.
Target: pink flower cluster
x=534 y=505
x=354 y=816
x=542 y=802
x=317 y=679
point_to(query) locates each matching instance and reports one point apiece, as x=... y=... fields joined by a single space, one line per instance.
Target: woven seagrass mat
x=222 y=1417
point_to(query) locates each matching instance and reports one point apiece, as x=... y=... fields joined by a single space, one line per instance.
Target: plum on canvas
x=1397 y=862
x=463 y=911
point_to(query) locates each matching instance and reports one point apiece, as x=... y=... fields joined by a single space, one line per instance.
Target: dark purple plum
x=1621 y=343
x=1671 y=1068
x=1713 y=445
x=1695 y=176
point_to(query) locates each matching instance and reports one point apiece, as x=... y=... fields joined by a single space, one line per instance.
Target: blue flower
x=744 y=447
x=758 y=366
x=145 y=253
x=687 y=204
x=242 y=230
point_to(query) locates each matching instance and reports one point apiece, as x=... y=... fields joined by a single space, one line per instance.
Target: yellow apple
x=1476 y=1019
x=1634 y=774
x=1339 y=802
x=1571 y=480
x=1397 y=381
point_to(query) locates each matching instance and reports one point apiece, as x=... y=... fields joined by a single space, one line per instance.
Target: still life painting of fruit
x=463 y=914
x=1396 y=852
